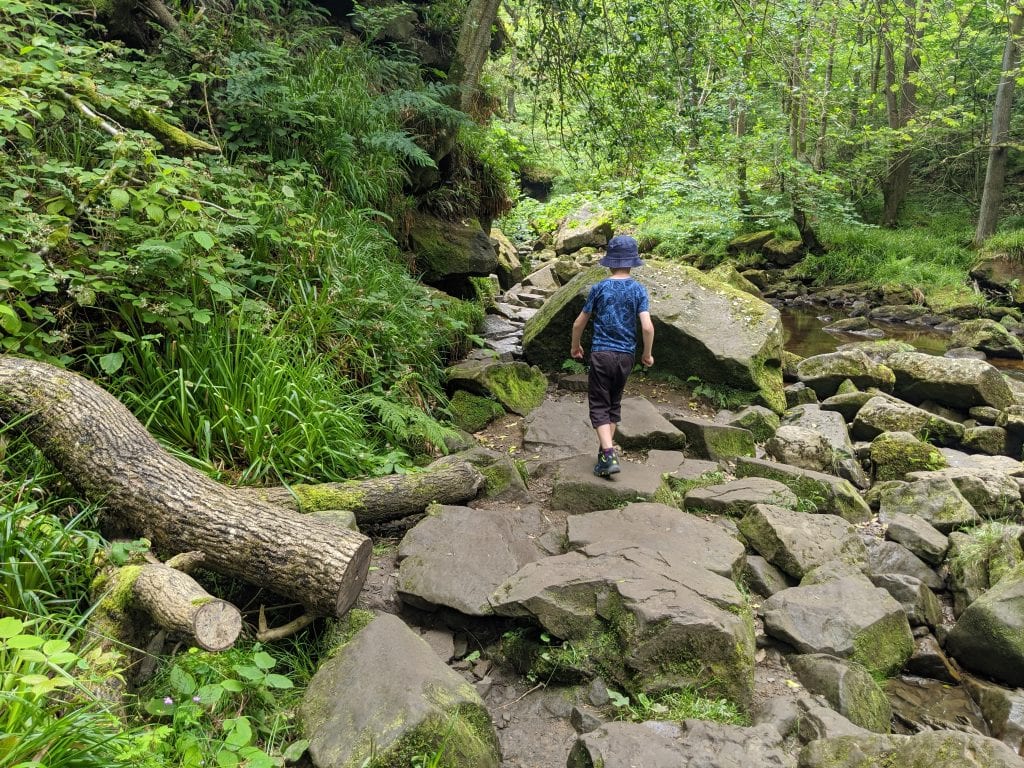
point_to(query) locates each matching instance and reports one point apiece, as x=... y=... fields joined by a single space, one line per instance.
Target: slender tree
x=995 y=174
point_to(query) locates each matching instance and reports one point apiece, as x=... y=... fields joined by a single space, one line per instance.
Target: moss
x=473 y=412
x=884 y=647
x=458 y=737
x=496 y=478
x=894 y=456
x=341 y=631
x=319 y=498
x=519 y=388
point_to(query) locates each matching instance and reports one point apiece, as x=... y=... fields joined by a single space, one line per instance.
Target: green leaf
x=155 y=213
x=111 y=363
x=295 y=750
x=9 y=319
x=232 y=686
x=264 y=660
x=182 y=681
x=119 y=199
x=205 y=239
x=277 y=681
x=249 y=672
x=239 y=732
x=227 y=759
x=24 y=641
x=9 y=626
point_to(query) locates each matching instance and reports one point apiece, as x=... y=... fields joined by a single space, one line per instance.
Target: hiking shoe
x=607 y=464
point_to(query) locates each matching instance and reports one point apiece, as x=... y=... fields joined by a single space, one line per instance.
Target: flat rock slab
x=559 y=427
x=644 y=427
x=917 y=535
x=458 y=556
x=577 y=489
x=661 y=528
x=942 y=749
x=736 y=497
x=959 y=384
x=676 y=464
x=690 y=744
x=708 y=439
x=960 y=460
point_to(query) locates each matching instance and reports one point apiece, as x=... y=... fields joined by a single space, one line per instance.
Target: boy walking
x=617 y=302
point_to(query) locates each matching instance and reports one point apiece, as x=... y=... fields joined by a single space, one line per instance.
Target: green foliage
x=677 y=705
x=201 y=695
x=46 y=709
x=1007 y=242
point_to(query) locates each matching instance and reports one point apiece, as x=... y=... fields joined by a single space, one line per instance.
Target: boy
x=616 y=303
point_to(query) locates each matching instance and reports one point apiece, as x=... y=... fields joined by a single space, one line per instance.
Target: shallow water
x=805 y=336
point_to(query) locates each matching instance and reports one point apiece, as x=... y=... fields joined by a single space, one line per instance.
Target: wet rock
x=1002 y=708
x=849 y=618
x=931 y=662
x=921 y=704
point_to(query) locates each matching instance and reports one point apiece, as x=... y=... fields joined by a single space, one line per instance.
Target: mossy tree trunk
x=110 y=457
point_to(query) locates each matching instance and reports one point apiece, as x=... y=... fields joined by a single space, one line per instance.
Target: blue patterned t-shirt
x=615 y=305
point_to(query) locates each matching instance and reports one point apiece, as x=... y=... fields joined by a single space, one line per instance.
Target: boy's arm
x=647 y=327
x=577 y=334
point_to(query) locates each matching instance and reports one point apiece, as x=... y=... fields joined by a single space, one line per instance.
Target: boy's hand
x=647 y=360
x=577 y=352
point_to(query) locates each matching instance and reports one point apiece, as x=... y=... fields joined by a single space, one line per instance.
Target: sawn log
x=110 y=457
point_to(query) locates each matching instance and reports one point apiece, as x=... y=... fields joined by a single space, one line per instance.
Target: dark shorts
x=607 y=380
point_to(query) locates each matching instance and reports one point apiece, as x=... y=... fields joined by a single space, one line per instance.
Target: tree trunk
x=450 y=480
x=107 y=454
x=472 y=47
x=176 y=602
x=995 y=174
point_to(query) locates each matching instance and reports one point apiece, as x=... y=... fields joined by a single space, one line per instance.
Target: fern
x=401 y=418
x=423 y=105
x=400 y=144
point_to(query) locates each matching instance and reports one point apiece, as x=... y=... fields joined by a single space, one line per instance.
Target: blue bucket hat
x=622 y=252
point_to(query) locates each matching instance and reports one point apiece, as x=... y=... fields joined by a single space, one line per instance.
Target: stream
x=805 y=336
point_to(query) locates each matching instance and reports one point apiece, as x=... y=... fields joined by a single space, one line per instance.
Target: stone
x=894 y=454
x=707 y=440
x=449 y=252
x=989 y=337
x=683 y=625
x=847 y=686
x=782 y=253
x=736 y=497
x=473 y=412
x=917 y=535
x=860 y=326
x=799 y=394
x=690 y=744
x=800 y=447
x=846 y=405
x=928 y=660
x=502 y=479
x=750 y=242
x=823 y=492
x=923 y=704
x=984 y=414
x=559 y=428
x=878 y=350
x=990 y=440
x=936 y=500
x=1003 y=710
x=988 y=638
x=706 y=329
x=919 y=602
x=881 y=414
x=948 y=749
x=761 y=422
x=542 y=280
x=763 y=578
x=517 y=386
x=509 y=269
x=824 y=373
x=849 y=618
x=796 y=542
x=891 y=557
x=960 y=384
x=589 y=225
x=726 y=273
x=644 y=427
x=660 y=528
x=458 y=556
x=965 y=353
x=576 y=489
x=993 y=494
x=898 y=313
x=968 y=574
x=386 y=695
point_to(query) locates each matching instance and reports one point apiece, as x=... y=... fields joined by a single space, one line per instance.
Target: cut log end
x=216 y=625
x=354 y=578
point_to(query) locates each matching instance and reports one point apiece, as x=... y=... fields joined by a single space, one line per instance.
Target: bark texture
x=176 y=602
x=110 y=457
x=450 y=480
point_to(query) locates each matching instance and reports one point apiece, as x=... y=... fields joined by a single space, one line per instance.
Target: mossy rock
x=473 y=412
x=517 y=386
x=894 y=454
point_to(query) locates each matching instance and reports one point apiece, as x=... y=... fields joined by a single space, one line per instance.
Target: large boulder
x=1001 y=272
x=989 y=337
x=705 y=329
x=936 y=500
x=941 y=749
x=822 y=492
x=824 y=373
x=992 y=493
x=959 y=384
x=847 y=686
x=386 y=696
x=652 y=618
x=886 y=414
x=989 y=635
x=449 y=252
x=848 y=617
x=509 y=268
x=587 y=226
x=517 y=386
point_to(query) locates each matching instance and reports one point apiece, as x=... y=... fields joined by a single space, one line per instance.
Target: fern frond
x=400 y=144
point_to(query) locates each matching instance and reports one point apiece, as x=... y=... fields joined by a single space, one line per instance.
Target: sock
x=607 y=452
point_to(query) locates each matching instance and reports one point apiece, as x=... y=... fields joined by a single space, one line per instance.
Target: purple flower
x=168 y=700
x=195 y=699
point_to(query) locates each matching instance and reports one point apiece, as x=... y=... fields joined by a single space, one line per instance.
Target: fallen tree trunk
x=110 y=457
x=450 y=480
